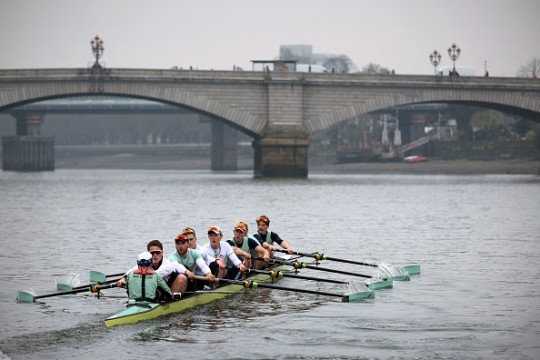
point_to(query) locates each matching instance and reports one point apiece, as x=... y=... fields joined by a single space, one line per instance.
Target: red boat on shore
x=414 y=159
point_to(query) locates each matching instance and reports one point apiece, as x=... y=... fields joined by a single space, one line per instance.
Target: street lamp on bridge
x=453 y=52
x=435 y=58
x=97 y=49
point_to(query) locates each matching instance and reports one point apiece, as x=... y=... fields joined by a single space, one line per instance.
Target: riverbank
x=449 y=167
x=198 y=158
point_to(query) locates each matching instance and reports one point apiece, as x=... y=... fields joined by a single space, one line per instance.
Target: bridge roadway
x=278 y=109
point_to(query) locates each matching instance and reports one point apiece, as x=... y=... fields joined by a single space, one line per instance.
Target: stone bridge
x=278 y=109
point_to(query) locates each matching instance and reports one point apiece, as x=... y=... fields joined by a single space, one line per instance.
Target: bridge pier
x=28 y=150
x=224 y=151
x=281 y=156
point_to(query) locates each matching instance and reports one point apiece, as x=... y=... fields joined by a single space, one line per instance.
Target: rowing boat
x=143 y=310
x=137 y=311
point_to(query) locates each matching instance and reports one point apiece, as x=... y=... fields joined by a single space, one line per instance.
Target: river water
x=476 y=238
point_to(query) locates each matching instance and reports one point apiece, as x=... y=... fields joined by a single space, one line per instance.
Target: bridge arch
x=513 y=103
x=230 y=115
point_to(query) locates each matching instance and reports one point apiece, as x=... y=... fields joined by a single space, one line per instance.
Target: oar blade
x=63 y=287
x=359 y=296
x=381 y=284
x=403 y=277
x=98 y=277
x=412 y=269
x=25 y=297
x=68 y=282
x=394 y=273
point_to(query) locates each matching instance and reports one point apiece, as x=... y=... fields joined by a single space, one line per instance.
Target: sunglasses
x=156 y=252
x=181 y=241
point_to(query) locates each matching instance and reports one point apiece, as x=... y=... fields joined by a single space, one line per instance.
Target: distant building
x=303 y=53
x=297 y=51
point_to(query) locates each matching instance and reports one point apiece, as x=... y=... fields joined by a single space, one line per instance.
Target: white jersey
x=166 y=268
x=224 y=252
x=208 y=258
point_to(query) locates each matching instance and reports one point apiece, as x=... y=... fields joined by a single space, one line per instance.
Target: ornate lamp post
x=453 y=52
x=435 y=58
x=97 y=49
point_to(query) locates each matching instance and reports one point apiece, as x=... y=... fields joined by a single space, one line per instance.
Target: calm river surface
x=476 y=238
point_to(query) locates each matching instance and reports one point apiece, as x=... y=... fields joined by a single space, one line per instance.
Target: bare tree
x=373 y=69
x=339 y=63
x=531 y=69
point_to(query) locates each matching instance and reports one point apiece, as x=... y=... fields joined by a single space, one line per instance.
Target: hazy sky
x=217 y=34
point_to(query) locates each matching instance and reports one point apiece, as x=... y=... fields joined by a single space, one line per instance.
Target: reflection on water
x=475 y=237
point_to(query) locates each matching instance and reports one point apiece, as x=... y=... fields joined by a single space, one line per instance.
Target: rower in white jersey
x=213 y=263
x=232 y=265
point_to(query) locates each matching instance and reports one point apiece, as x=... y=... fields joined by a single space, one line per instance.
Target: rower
x=268 y=238
x=143 y=283
x=232 y=265
x=213 y=263
x=172 y=272
x=194 y=263
x=247 y=247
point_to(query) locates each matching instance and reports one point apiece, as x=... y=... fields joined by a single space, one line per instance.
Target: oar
x=302 y=265
x=411 y=269
x=318 y=256
x=26 y=297
x=67 y=287
x=374 y=285
x=248 y=284
x=99 y=277
x=279 y=274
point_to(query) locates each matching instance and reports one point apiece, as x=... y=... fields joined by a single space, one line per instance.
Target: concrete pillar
x=286 y=156
x=28 y=153
x=224 y=151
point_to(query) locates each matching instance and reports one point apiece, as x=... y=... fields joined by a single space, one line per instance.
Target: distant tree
x=286 y=54
x=339 y=63
x=491 y=123
x=373 y=69
x=522 y=126
x=531 y=69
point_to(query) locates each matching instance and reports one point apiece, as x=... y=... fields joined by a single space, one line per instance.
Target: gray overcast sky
x=217 y=34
